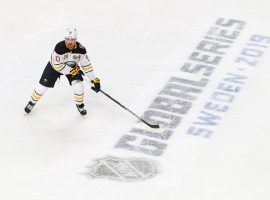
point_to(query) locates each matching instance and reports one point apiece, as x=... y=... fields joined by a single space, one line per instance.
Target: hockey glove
x=96 y=86
x=75 y=70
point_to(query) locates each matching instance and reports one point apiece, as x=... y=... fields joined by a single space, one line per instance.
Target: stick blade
x=150 y=125
x=154 y=126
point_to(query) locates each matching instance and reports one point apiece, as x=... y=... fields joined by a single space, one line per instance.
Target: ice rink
x=199 y=68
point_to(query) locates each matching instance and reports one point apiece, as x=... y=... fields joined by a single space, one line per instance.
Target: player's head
x=71 y=33
x=71 y=37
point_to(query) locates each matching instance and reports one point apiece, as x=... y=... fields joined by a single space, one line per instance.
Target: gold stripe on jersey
x=88 y=68
x=58 y=67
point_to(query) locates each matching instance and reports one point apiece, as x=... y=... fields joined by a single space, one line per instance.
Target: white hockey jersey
x=61 y=55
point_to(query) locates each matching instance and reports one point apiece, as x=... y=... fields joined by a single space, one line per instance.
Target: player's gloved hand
x=75 y=70
x=96 y=83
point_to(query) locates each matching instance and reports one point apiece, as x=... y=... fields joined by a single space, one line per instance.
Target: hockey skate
x=29 y=107
x=81 y=109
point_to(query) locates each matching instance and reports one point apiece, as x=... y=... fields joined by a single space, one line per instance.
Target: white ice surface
x=135 y=47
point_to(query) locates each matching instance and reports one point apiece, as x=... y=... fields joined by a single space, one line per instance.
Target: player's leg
x=35 y=97
x=47 y=80
x=78 y=89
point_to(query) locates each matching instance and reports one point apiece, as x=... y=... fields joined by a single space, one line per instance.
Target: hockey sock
x=37 y=93
x=78 y=90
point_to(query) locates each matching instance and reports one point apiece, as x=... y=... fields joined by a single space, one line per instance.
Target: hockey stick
x=142 y=120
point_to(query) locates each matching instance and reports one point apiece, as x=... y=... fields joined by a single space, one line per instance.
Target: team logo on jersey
x=123 y=169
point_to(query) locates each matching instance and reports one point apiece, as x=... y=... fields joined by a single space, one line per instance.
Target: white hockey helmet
x=71 y=33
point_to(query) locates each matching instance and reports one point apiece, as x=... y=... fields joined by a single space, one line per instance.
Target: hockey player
x=68 y=58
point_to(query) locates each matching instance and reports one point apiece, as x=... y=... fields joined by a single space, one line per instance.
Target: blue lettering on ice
x=207 y=119
x=219 y=102
x=217 y=105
